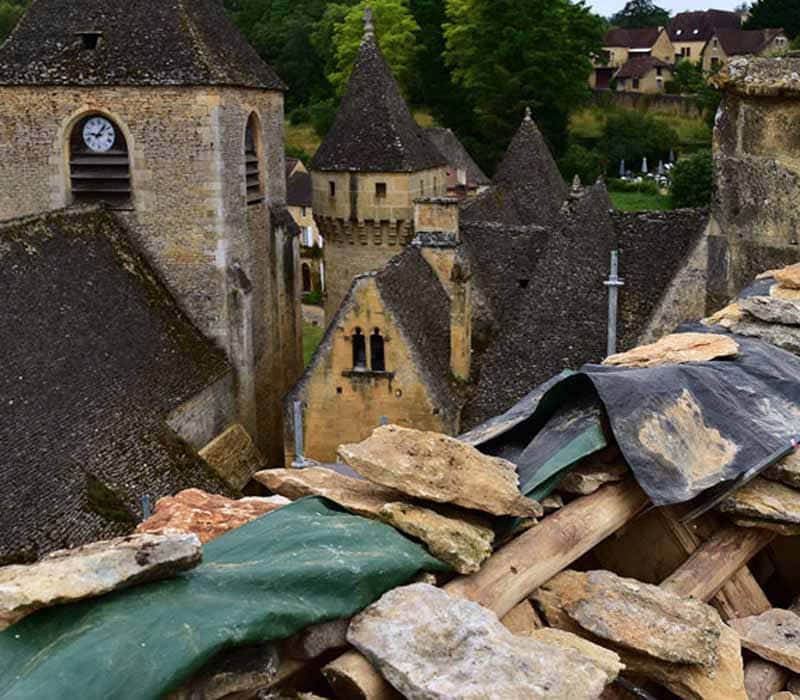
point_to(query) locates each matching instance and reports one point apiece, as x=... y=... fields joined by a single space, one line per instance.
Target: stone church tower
x=372 y=165
x=163 y=113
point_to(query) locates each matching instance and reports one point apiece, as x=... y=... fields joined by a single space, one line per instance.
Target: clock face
x=98 y=134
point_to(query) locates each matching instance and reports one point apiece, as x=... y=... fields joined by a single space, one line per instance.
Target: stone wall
x=188 y=211
x=207 y=414
x=340 y=405
x=363 y=230
x=679 y=105
x=756 y=218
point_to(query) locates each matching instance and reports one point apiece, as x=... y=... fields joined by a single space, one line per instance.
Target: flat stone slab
x=783 y=529
x=641 y=617
x=603 y=658
x=763 y=499
x=456 y=538
x=93 y=570
x=772 y=310
x=439 y=468
x=773 y=635
x=777 y=334
x=234 y=456
x=787 y=471
x=725 y=681
x=677 y=348
x=788 y=276
x=206 y=515
x=432 y=646
x=583 y=481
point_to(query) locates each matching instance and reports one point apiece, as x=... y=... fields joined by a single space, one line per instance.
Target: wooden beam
x=716 y=560
x=515 y=571
x=740 y=596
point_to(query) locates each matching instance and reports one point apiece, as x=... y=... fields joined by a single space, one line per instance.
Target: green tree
x=396 y=31
x=692 y=181
x=10 y=12
x=640 y=13
x=507 y=55
x=281 y=31
x=580 y=161
x=632 y=136
x=767 y=14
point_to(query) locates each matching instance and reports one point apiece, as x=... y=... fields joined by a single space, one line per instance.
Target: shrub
x=299 y=115
x=692 y=181
x=632 y=136
x=644 y=187
x=297 y=152
x=580 y=161
x=322 y=115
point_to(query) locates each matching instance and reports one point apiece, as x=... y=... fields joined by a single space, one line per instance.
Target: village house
x=299 y=201
x=165 y=315
x=621 y=45
x=690 y=31
x=449 y=332
x=367 y=172
x=727 y=43
x=464 y=176
x=645 y=74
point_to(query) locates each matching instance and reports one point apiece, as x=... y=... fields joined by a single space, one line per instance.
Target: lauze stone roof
x=640 y=66
x=139 y=42
x=96 y=354
x=374 y=130
x=632 y=38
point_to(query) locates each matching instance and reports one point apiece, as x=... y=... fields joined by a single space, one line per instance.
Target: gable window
x=658 y=71
x=99 y=163
x=252 y=162
x=376 y=352
x=359 y=350
x=714 y=63
x=331 y=188
x=380 y=190
x=636 y=83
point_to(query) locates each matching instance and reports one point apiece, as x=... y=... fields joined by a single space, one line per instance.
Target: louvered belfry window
x=99 y=163
x=252 y=163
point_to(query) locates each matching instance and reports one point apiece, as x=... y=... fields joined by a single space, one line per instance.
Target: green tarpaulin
x=306 y=563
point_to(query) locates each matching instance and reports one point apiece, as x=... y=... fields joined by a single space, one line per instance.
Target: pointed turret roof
x=131 y=42
x=527 y=187
x=374 y=130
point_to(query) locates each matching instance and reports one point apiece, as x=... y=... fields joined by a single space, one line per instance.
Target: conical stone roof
x=374 y=130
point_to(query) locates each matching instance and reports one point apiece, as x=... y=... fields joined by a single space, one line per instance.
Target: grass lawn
x=312 y=335
x=638 y=201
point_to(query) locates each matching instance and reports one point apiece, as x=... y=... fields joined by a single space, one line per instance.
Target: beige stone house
x=299 y=201
x=645 y=74
x=728 y=43
x=620 y=45
x=449 y=332
x=183 y=140
x=690 y=31
x=366 y=174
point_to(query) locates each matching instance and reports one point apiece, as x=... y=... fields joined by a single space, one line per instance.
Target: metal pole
x=299 y=445
x=614 y=282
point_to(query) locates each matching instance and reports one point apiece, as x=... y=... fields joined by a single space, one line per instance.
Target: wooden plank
x=512 y=573
x=740 y=596
x=716 y=560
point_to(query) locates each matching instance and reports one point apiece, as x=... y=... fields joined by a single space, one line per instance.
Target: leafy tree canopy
x=767 y=14
x=10 y=12
x=692 y=181
x=396 y=31
x=640 y=13
x=632 y=136
x=507 y=55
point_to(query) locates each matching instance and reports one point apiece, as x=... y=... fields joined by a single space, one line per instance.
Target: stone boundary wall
x=677 y=105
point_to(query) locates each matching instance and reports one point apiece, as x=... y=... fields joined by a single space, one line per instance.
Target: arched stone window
x=306 y=269
x=252 y=161
x=376 y=354
x=99 y=164
x=359 y=350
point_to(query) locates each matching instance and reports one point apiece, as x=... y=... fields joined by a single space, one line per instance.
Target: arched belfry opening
x=99 y=162
x=253 y=158
x=376 y=352
x=359 y=350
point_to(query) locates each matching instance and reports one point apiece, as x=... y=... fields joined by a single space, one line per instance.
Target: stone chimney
x=437 y=234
